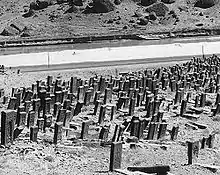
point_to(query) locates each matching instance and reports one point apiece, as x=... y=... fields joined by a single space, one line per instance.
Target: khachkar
x=57 y=104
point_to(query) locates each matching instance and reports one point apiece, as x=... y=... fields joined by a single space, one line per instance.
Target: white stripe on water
x=111 y=54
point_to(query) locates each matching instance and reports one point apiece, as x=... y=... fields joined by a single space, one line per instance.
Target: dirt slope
x=66 y=19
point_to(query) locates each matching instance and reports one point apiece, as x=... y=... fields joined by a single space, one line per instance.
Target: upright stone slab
x=70 y=97
x=31 y=119
x=152 y=131
x=64 y=94
x=115 y=156
x=85 y=130
x=97 y=106
x=217 y=99
x=193 y=152
x=58 y=96
x=211 y=140
x=135 y=128
x=174 y=132
x=36 y=107
x=5 y=100
x=126 y=86
x=78 y=108
x=173 y=85
x=66 y=104
x=57 y=107
x=22 y=119
x=150 y=109
x=108 y=96
x=113 y=110
x=183 y=107
x=162 y=130
x=95 y=87
x=114 y=138
x=120 y=133
x=139 y=99
x=160 y=116
x=18 y=99
x=156 y=106
x=217 y=110
x=12 y=103
x=80 y=93
x=102 y=114
x=7 y=127
x=68 y=118
x=73 y=85
x=197 y=101
x=177 y=97
x=48 y=119
x=33 y=133
x=28 y=96
x=203 y=100
x=97 y=96
x=46 y=107
x=27 y=106
x=49 y=80
x=40 y=124
x=104 y=133
x=149 y=98
x=61 y=115
x=141 y=128
x=87 y=97
x=58 y=132
x=131 y=107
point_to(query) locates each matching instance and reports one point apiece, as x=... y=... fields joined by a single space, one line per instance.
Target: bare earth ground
x=90 y=158
x=53 y=21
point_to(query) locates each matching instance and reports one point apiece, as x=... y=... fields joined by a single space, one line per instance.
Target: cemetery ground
x=88 y=156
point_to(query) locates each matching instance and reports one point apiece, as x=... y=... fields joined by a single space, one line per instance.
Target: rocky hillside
x=53 y=18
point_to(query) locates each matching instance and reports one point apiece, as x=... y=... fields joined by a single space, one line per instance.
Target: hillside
x=53 y=18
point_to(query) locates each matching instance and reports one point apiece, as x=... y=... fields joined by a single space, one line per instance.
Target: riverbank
x=48 y=41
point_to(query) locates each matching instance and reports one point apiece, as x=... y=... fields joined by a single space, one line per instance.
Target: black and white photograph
x=110 y=87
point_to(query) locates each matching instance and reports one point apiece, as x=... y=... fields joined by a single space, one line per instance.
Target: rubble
x=159 y=8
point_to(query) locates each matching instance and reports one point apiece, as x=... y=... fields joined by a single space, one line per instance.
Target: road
x=110 y=56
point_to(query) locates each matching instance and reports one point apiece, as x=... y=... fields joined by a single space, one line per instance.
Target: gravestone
x=58 y=132
x=48 y=120
x=66 y=104
x=33 y=133
x=102 y=114
x=193 y=152
x=78 y=108
x=174 y=132
x=7 y=127
x=135 y=128
x=12 y=103
x=115 y=156
x=40 y=124
x=61 y=115
x=31 y=119
x=203 y=100
x=152 y=131
x=162 y=130
x=58 y=96
x=104 y=133
x=57 y=107
x=183 y=107
x=131 y=107
x=68 y=118
x=22 y=119
x=85 y=130
x=36 y=107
